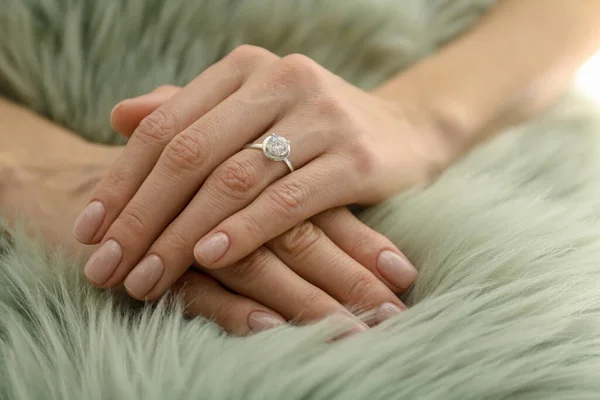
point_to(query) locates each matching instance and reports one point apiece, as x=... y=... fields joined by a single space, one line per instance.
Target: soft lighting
x=588 y=78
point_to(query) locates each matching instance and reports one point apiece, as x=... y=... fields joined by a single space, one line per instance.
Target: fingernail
x=144 y=276
x=117 y=106
x=209 y=250
x=396 y=269
x=89 y=222
x=259 y=321
x=346 y=318
x=388 y=310
x=103 y=263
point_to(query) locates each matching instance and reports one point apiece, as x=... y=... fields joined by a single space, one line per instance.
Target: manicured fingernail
x=103 y=263
x=396 y=269
x=388 y=310
x=346 y=318
x=209 y=250
x=112 y=112
x=89 y=222
x=259 y=321
x=117 y=106
x=144 y=276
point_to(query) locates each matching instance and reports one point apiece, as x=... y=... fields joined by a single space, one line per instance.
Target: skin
x=66 y=176
x=418 y=123
x=63 y=177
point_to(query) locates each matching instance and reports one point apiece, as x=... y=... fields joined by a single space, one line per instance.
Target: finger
x=180 y=171
x=263 y=277
x=231 y=186
x=287 y=202
x=370 y=248
x=127 y=115
x=154 y=132
x=307 y=251
x=236 y=314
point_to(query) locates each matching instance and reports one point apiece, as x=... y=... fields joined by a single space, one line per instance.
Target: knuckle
x=300 y=63
x=165 y=88
x=251 y=268
x=246 y=52
x=289 y=196
x=116 y=181
x=333 y=109
x=236 y=178
x=226 y=314
x=364 y=159
x=251 y=224
x=245 y=56
x=364 y=240
x=310 y=299
x=300 y=238
x=299 y=71
x=358 y=244
x=175 y=240
x=361 y=288
x=132 y=220
x=186 y=152
x=160 y=126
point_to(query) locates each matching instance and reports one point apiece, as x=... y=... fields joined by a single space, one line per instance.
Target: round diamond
x=276 y=147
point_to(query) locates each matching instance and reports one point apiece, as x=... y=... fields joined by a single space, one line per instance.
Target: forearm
x=513 y=64
x=36 y=152
x=46 y=172
x=29 y=140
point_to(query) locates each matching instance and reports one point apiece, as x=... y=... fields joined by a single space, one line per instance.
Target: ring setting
x=275 y=147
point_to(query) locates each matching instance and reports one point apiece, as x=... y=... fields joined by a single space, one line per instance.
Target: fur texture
x=507 y=240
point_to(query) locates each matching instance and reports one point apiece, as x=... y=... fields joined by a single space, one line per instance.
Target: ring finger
x=200 y=97
x=320 y=185
x=229 y=188
x=181 y=169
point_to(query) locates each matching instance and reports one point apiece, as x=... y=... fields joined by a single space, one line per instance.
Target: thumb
x=127 y=114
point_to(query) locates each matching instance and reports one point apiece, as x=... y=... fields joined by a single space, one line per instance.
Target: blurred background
x=588 y=78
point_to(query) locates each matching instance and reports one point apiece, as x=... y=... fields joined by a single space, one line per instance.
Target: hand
x=301 y=276
x=304 y=250
x=182 y=178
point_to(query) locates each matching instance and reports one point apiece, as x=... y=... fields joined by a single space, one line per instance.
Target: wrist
x=508 y=68
x=440 y=124
x=48 y=193
x=7 y=179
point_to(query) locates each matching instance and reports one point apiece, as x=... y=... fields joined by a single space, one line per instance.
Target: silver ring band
x=274 y=147
x=260 y=147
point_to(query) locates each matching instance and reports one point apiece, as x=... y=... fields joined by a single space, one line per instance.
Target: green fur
x=507 y=240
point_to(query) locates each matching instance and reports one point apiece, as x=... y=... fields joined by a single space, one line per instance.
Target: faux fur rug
x=507 y=241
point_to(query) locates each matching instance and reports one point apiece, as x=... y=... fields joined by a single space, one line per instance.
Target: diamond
x=276 y=147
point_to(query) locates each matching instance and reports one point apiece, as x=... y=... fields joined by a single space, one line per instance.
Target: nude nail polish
x=89 y=222
x=388 y=310
x=103 y=263
x=259 y=321
x=144 y=276
x=348 y=320
x=210 y=250
x=396 y=269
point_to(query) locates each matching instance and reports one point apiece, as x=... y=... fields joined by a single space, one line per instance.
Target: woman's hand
x=184 y=183
x=360 y=263
x=303 y=275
